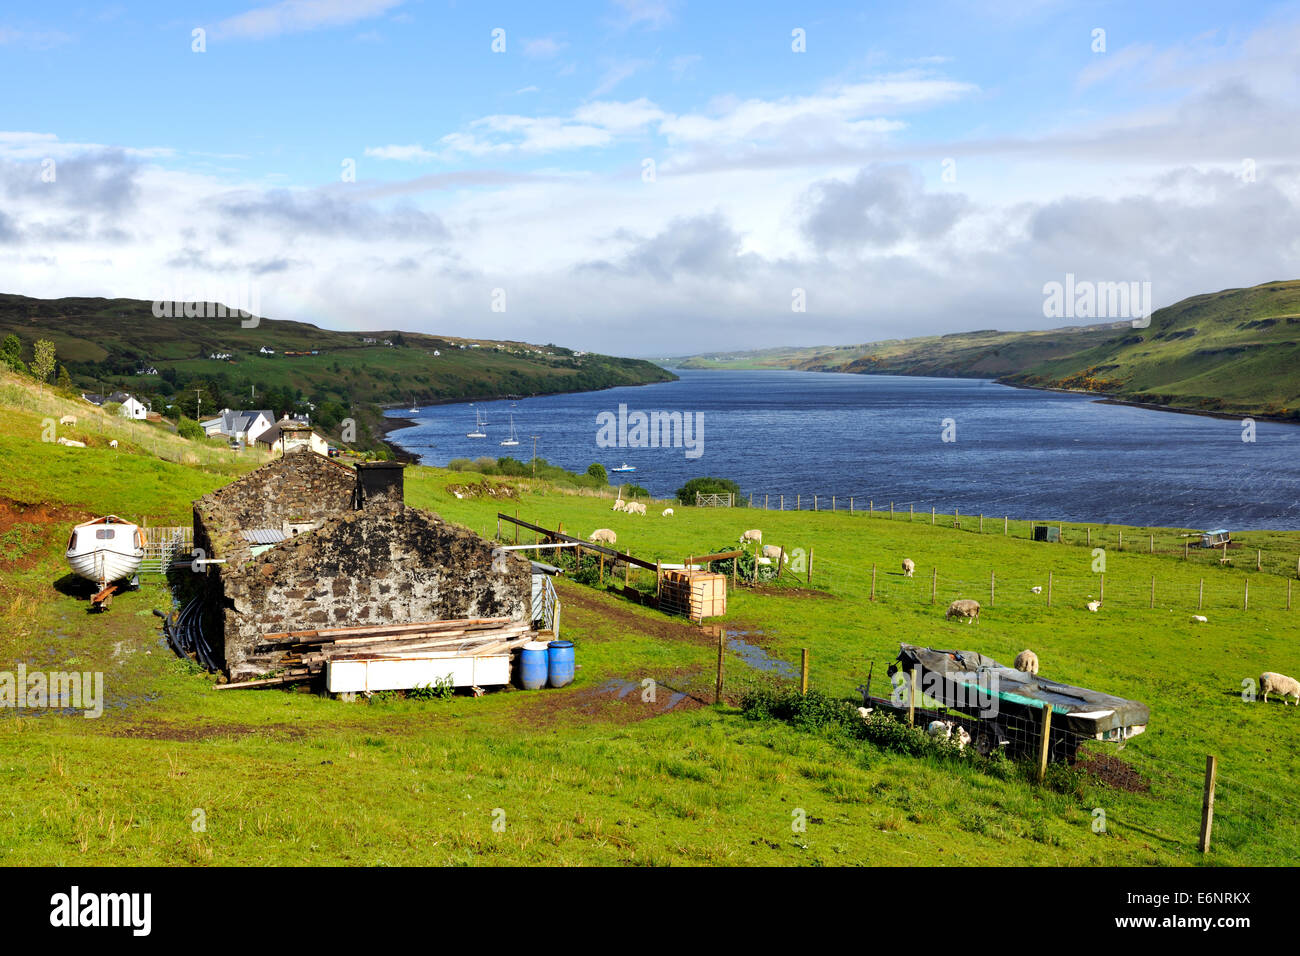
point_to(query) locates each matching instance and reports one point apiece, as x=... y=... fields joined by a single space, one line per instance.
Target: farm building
x=305 y=542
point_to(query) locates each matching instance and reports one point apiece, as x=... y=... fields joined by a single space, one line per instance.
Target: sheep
x=1093 y=606
x=1199 y=619
x=620 y=505
x=909 y=567
x=968 y=609
x=773 y=552
x=752 y=535
x=636 y=507
x=1037 y=589
x=667 y=512
x=945 y=728
x=1274 y=683
x=1027 y=661
x=113 y=443
x=865 y=712
x=68 y=420
x=603 y=536
x=72 y=444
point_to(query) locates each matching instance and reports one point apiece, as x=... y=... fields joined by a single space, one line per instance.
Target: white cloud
x=299 y=16
x=543 y=48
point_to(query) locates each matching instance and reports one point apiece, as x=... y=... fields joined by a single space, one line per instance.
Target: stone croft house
x=311 y=542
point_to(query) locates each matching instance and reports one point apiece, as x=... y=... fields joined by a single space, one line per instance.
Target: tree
x=597 y=470
x=64 y=382
x=708 y=486
x=11 y=353
x=43 y=360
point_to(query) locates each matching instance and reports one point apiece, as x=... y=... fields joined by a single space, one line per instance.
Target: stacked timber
x=303 y=655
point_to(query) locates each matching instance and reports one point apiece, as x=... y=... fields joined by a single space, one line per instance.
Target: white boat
x=478 y=427
x=512 y=440
x=105 y=550
x=625 y=467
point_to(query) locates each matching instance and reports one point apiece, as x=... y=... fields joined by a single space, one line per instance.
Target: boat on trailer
x=105 y=550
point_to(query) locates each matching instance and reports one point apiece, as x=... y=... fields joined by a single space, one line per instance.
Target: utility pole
x=534 y=438
x=198 y=407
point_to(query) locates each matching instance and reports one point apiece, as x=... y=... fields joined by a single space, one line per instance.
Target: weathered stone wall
x=373 y=566
x=301 y=484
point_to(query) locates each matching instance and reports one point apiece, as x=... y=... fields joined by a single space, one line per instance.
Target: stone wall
x=372 y=566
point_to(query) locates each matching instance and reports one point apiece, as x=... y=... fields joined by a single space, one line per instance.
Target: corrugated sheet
x=263 y=535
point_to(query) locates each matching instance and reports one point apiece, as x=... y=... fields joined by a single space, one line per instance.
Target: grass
x=175 y=773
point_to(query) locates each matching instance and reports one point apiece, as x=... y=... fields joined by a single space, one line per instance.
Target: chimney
x=294 y=436
x=379 y=485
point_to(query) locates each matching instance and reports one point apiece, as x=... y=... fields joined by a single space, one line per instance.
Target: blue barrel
x=559 y=663
x=532 y=665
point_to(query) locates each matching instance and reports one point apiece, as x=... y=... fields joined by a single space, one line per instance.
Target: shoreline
x=1106 y=398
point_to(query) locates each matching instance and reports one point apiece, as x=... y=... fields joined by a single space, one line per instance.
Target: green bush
x=597 y=470
x=708 y=486
x=189 y=428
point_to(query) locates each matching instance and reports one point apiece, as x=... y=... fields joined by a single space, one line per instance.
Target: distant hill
x=105 y=342
x=1231 y=352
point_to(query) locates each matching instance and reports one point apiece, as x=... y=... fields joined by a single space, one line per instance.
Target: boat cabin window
x=105 y=534
x=72 y=541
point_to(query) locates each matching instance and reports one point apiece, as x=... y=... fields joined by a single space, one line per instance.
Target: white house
x=241 y=425
x=131 y=408
x=266 y=351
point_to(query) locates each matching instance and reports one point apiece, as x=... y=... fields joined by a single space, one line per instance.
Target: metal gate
x=163 y=546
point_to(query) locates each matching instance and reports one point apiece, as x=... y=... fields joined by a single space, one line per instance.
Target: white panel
x=357 y=676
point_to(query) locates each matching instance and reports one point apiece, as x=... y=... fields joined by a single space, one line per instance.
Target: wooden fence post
x=1090 y=537
x=1049 y=588
x=810 y=560
x=780 y=561
x=993 y=586
x=1005 y=522
x=814 y=502
x=1121 y=542
x=1259 y=560
x=659 y=573
x=956 y=517
x=873 y=582
x=798 y=502
x=1187 y=548
x=981 y=524
x=803 y=673
x=931 y=515
x=934 y=582
x=1152 y=549
x=722 y=647
x=1200 y=596
x=1207 y=801
x=765 y=502
x=832 y=502
x=783 y=502
x=891 y=509
x=1044 y=746
x=850 y=504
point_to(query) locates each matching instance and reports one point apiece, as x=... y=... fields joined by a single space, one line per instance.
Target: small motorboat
x=105 y=550
x=624 y=467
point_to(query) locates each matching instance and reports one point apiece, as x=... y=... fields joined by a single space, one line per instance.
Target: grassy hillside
x=594 y=773
x=103 y=342
x=1235 y=352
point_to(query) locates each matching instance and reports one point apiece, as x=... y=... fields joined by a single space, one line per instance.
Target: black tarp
x=1082 y=711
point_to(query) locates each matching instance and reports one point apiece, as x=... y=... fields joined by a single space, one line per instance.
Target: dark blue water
x=1025 y=453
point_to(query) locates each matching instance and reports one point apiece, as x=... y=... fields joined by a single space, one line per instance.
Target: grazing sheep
x=909 y=567
x=1027 y=661
x=945 y=728
x=774 y=552
x=620 y=505
x=1280 y=684
x=1093 y=606
x=1200 y=619
x=636 y=507
x=752 y=535
x=113 y=443
x=966 y=608
x=1037 y=589
x=603 y=536
x=668 y=512
x=68 y=420
x=72 y=444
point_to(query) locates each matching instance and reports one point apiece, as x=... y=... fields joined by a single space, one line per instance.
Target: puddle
x=622 y=688
x=756 y=657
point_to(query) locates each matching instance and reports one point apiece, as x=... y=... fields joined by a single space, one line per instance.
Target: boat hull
x=103 y=566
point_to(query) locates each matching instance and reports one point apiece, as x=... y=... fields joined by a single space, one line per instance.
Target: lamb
x=72 y=444
x=1027 y=661
x=909 y=567
x=865 y=712
x=668 y=512
x=1200 y=619
x=603 y=536
x=774 y=552
x=752 y=535
x=68 y=420
x=945 y=728
x=113 y=443
x=620 y=505
x=1274 y=683
x=636 y=508
x=1093 y=606
x=966 y=608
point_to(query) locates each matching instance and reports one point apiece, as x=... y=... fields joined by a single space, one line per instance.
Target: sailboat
x=413 y=408
x=512 y=440
x=478 y=427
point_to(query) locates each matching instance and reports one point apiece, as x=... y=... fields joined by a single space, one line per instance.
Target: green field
x=1230 y=352
x=178 y=773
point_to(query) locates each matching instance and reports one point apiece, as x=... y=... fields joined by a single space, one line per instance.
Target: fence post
x=1187 y=548
x=814 y=502
x=798 y=502
x=832 y=502
x=1090 y=537
x=1152 y=549
x=1005 y=522
x=1121 y=542
x=981 y=524
x=780 y=561
x=783 y=502
x=658 y=577
x=956 y=517
x=1049 y=588
x=803 y=673
x=891 y=509
x=934 y=582
x=764 y=502
x=993 y=586
x=1044 y=746
x=810 y=560
x=873 y=582
x=931 y=514
x=722 y=646
x=1259 y=560
x=1207 y=801
x=1102 y=597
x=850 y=504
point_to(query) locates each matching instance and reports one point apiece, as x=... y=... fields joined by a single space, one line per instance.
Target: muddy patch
x=193 y=733
x=1113 y=772
x=619 y=700
x=582 y=601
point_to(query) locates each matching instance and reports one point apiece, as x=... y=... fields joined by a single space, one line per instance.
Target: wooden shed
x=697 y=594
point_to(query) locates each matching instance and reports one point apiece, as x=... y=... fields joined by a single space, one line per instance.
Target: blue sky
x=1166 y=156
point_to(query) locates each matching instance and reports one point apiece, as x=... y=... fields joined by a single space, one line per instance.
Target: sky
x=648 y=177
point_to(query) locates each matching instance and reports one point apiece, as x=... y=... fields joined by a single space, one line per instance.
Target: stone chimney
x=294 y=436
x=379 y=486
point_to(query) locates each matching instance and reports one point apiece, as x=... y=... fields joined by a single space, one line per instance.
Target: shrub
x=708 y=486
x=597 y=470
x=189 y=428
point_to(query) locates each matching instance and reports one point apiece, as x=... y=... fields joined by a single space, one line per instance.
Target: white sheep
x=636 y=507
x=620 y=505
x=71 y=443
x=1274 y=683
x=603 y=536
x=752 y=535
x=865 y=712
x=68 y=420
x=1093 y=606
x=909 y=567
x=1200 y=619
x=1037 y=589
x=113 y=443
x=968 y=609
x=1027 y=661
x=945 y=729
x=667 y=512
x=773 y=552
